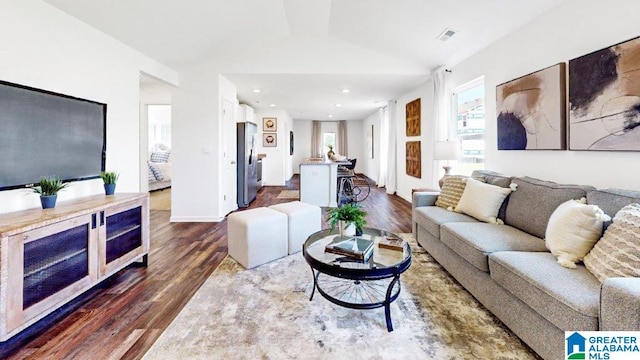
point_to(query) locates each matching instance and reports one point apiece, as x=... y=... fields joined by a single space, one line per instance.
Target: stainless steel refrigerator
x=247 y=179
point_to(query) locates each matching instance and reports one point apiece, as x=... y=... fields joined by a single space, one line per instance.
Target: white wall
x=150 y=94
x=302 y=130
x=571 y=30
x=277 y=167
x=368 y=166
x=197 y=133
x=356 y=135
x=546 y=41
x=405 y=182
x=48 y=49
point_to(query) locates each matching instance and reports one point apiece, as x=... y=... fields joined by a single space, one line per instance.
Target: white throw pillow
x=482 y=201
x=573 y=229
x=165 y=169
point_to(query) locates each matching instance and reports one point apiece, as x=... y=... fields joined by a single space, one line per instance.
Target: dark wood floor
x=124 y=316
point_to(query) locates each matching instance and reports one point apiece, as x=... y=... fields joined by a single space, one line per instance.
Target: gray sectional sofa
x=510 y=271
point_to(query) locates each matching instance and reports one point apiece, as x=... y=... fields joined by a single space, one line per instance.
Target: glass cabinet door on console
x=49 y=264
x=122 y=235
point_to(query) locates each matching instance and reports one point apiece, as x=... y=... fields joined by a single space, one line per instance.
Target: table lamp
x=446 y=150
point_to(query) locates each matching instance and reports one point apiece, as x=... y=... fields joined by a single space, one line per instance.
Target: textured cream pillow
x=482 y=201
x=617 y=254
x=573 y=229
x=452 y=189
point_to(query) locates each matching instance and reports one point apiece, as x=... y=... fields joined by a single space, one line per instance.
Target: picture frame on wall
x=414 y=159
x=603 y=99
x=270 y=140
x=269 y=124
x=290 y=142
x=413 y=110
x=370 y=142
x=532 y=112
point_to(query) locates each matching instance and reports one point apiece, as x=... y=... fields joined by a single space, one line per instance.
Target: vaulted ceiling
x=301 y=53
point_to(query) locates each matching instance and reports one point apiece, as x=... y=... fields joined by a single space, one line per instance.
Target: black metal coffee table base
x=358 y=293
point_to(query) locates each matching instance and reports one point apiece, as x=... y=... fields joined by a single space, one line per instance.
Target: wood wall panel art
x=413 y=118
x=414 y=159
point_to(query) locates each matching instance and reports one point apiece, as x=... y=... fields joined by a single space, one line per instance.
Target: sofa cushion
x=568 y=298
x=431 y=217
x=531 y=205
x=452 y=189
x=612 y=200
x=617 y=254
x=492 y=177
x=475 y=241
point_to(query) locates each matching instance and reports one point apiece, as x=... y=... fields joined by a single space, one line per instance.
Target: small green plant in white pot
x=48 y=188
x=349 y=218
x=109 y=178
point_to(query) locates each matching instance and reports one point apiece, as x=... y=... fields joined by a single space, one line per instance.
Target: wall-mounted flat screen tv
x=48 y=134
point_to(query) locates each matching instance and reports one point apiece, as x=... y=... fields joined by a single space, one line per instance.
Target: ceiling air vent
x=446 y=34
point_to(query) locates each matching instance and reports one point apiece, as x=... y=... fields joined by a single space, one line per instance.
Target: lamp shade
x=447 y=150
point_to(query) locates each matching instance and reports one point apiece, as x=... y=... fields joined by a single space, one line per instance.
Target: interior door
x=229 y=157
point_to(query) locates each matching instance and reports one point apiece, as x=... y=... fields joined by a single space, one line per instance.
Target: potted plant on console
x=348 y=217
x=48 y=188
x=109 y=178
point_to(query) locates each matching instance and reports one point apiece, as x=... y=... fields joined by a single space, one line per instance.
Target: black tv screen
x=48 y=134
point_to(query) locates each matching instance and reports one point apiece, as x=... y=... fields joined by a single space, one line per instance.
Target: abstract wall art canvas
x=413 y=118
x=414 y=159
x=532 y=111
x=604 y=99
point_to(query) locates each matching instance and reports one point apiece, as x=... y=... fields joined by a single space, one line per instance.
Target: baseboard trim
x=196 y=219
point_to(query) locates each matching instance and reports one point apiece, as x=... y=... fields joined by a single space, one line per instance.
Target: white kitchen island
x=319 y=182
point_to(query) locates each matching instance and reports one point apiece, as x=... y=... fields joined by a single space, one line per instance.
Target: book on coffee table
x=353 y=247
x=392 y=243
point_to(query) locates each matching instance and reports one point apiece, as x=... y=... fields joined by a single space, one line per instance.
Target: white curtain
x=382 y=150
x=342 y=138
x=392 y=168
x=316 y=139
x=441 y=121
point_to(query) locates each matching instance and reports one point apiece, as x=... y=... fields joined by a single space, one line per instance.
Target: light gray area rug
x=265 y=313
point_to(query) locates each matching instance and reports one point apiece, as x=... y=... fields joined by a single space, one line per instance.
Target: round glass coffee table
x=353 y=283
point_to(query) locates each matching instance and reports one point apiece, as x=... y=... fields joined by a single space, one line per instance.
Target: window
x=159 y=117
x=329 y=141
x=469 y=124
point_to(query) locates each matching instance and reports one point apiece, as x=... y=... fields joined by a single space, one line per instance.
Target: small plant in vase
x=348 y=217
x=109 y=178
x=48 y=188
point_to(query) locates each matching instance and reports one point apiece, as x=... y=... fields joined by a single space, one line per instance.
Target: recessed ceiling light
x=338 y=105
x=330 y=116
x=344 y=91
x=256 y=90
x=272 y=105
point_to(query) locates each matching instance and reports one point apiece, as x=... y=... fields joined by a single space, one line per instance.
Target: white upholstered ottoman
x=257 y=236
x=304 y=220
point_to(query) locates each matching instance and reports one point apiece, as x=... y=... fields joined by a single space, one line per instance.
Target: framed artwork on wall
x=414 y=159
x=532 y=112
x=290 y=142
x=413 y=118
x=270 y=140
x=269 y=124
x=604 y=99
x=370 y=143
